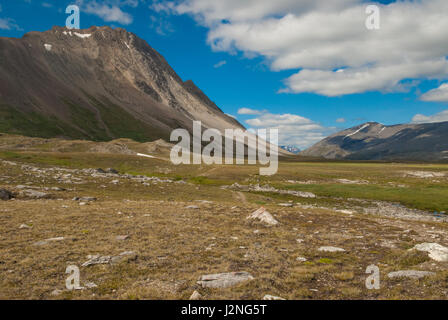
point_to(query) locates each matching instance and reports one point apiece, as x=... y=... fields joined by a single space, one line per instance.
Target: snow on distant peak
x=360 y=129
x=81 y=35
x=67 y=33
x=48 y=47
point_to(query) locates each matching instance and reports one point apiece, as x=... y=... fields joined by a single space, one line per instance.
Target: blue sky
x=207 y=42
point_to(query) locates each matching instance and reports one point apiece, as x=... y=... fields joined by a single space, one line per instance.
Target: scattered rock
x=90 y=285
x=224 y=280
x=331 y=249
x=121 y=238
x=96 y=260
x=56 y=292
x=196 y=296
x=301 y=259
x=287 y=205
x=84 y=199
x=413 y=274
x=267 y=188
x=24 y=226
x=111 y=170
x=46 y=241
x=264 y=216
x=33 y=194
x=436 y=251
x=269 y=297
x=5 y=195
x=123 y=257
x=192 y=207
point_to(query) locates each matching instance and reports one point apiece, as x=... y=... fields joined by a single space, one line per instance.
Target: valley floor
x=154 y=228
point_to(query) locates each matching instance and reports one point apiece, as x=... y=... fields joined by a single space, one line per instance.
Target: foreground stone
x=196 y=296
x=33 y=194
x=5 y=195
x=413 y=274
x=264 y=216
x=436 y=251
x=224 y=280
x=96 y=260
x=46 y=241
x=269 y=297
x=331 y=249
x=84 y=199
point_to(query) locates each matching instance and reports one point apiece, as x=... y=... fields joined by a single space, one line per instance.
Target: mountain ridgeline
x=96 y=84
x=374 y=141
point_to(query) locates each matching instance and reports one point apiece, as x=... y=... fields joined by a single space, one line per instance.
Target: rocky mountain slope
x=374 y=141
x=96 y=84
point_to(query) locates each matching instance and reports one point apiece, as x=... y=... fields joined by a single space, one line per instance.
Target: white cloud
x=318 y=37
x=251 y=112
x=340 y=120
x=109 y=11
x=220 y=64
x=439 y=94
x=8 y=24
x=438 y=117
x=293 y=129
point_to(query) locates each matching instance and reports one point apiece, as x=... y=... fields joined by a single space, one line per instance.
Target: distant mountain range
x=374 y=141
x=96 y=84
x=291 y=148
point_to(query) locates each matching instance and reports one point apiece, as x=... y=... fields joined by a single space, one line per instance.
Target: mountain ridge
x=375 y=141
x=99 y=84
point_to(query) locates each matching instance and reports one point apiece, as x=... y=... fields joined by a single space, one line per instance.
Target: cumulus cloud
x=340 y=120
x=8 y=24
x=109 y=10
x=251 y=112
x=438 y=117
x=220 y=64
x=327 y=41
x=439 y=94
x=293 y=129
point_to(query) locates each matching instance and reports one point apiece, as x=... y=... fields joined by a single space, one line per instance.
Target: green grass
x=33 y=124
x=423 y=196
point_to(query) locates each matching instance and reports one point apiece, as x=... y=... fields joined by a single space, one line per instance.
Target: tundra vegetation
x=143 y=228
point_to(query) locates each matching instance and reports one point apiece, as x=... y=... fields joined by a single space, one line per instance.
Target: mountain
x=292 y=149
x=374 y=141
x=96 y=84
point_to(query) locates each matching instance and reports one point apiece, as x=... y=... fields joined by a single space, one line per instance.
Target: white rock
x=24 y=226
x=436 y=251
x=224 y=280
x=48 y=47
x=56 y=292
x=301 y=259
x=90 y=285
x=196 y=296
x=264 y=216
x=331 y=249
x=413 y=274
x=288 y=205
x=269 y=297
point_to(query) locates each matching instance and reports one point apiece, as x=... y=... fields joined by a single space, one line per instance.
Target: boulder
x=269 y=297
x=436 y=251
x=196 y=296
x=264 y=216
x=224 y=280
x=331 y=249
x=413 y=274
x=5 y=195
x=33 y=194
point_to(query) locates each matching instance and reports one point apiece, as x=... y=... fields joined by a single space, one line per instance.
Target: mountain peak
x=105 y=84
